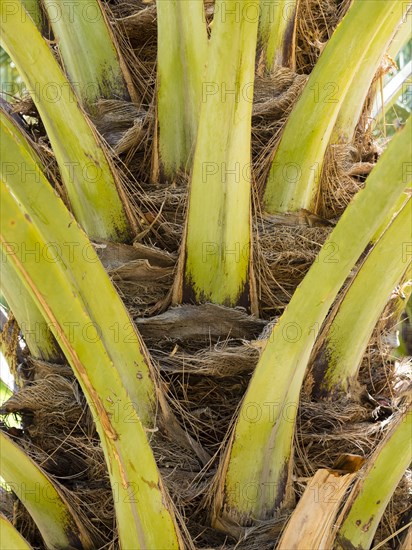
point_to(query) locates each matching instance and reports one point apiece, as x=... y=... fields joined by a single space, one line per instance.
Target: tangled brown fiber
x=165 y=214
x=205 y=405
x=338 y=183
x=143 y=286
x=58 y=433
x=317 y=19
x=283 y=254
x=113 y=118
x=136 y=36
x=327 y=431
x=275 y=95
x=346 y=167
x=204 y=381
x=381 y=372
x=136 y=30
x=10 y=341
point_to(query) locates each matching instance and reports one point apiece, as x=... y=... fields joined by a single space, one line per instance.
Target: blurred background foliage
x=11 y=83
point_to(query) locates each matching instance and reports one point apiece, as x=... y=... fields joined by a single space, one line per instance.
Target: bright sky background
x=5 y=374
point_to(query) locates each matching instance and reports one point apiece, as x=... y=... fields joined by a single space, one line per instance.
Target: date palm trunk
x=206 y=339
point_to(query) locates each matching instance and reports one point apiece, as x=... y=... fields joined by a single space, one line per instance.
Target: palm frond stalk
x=404 y=308
x=277 y=30
x=37 y=334
x=400 y=204
x=336 y=363
x=372 y=491
x=5 y=391
x=295 y=174
x=34 y=9
x=91 y=60
x=215 y=260
x=10 y=536
x=89 y=177
x=59 y=527
x=349 y=115
x=182 y=62
x=259 y=453
x=114 y=372
x=402 y=36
